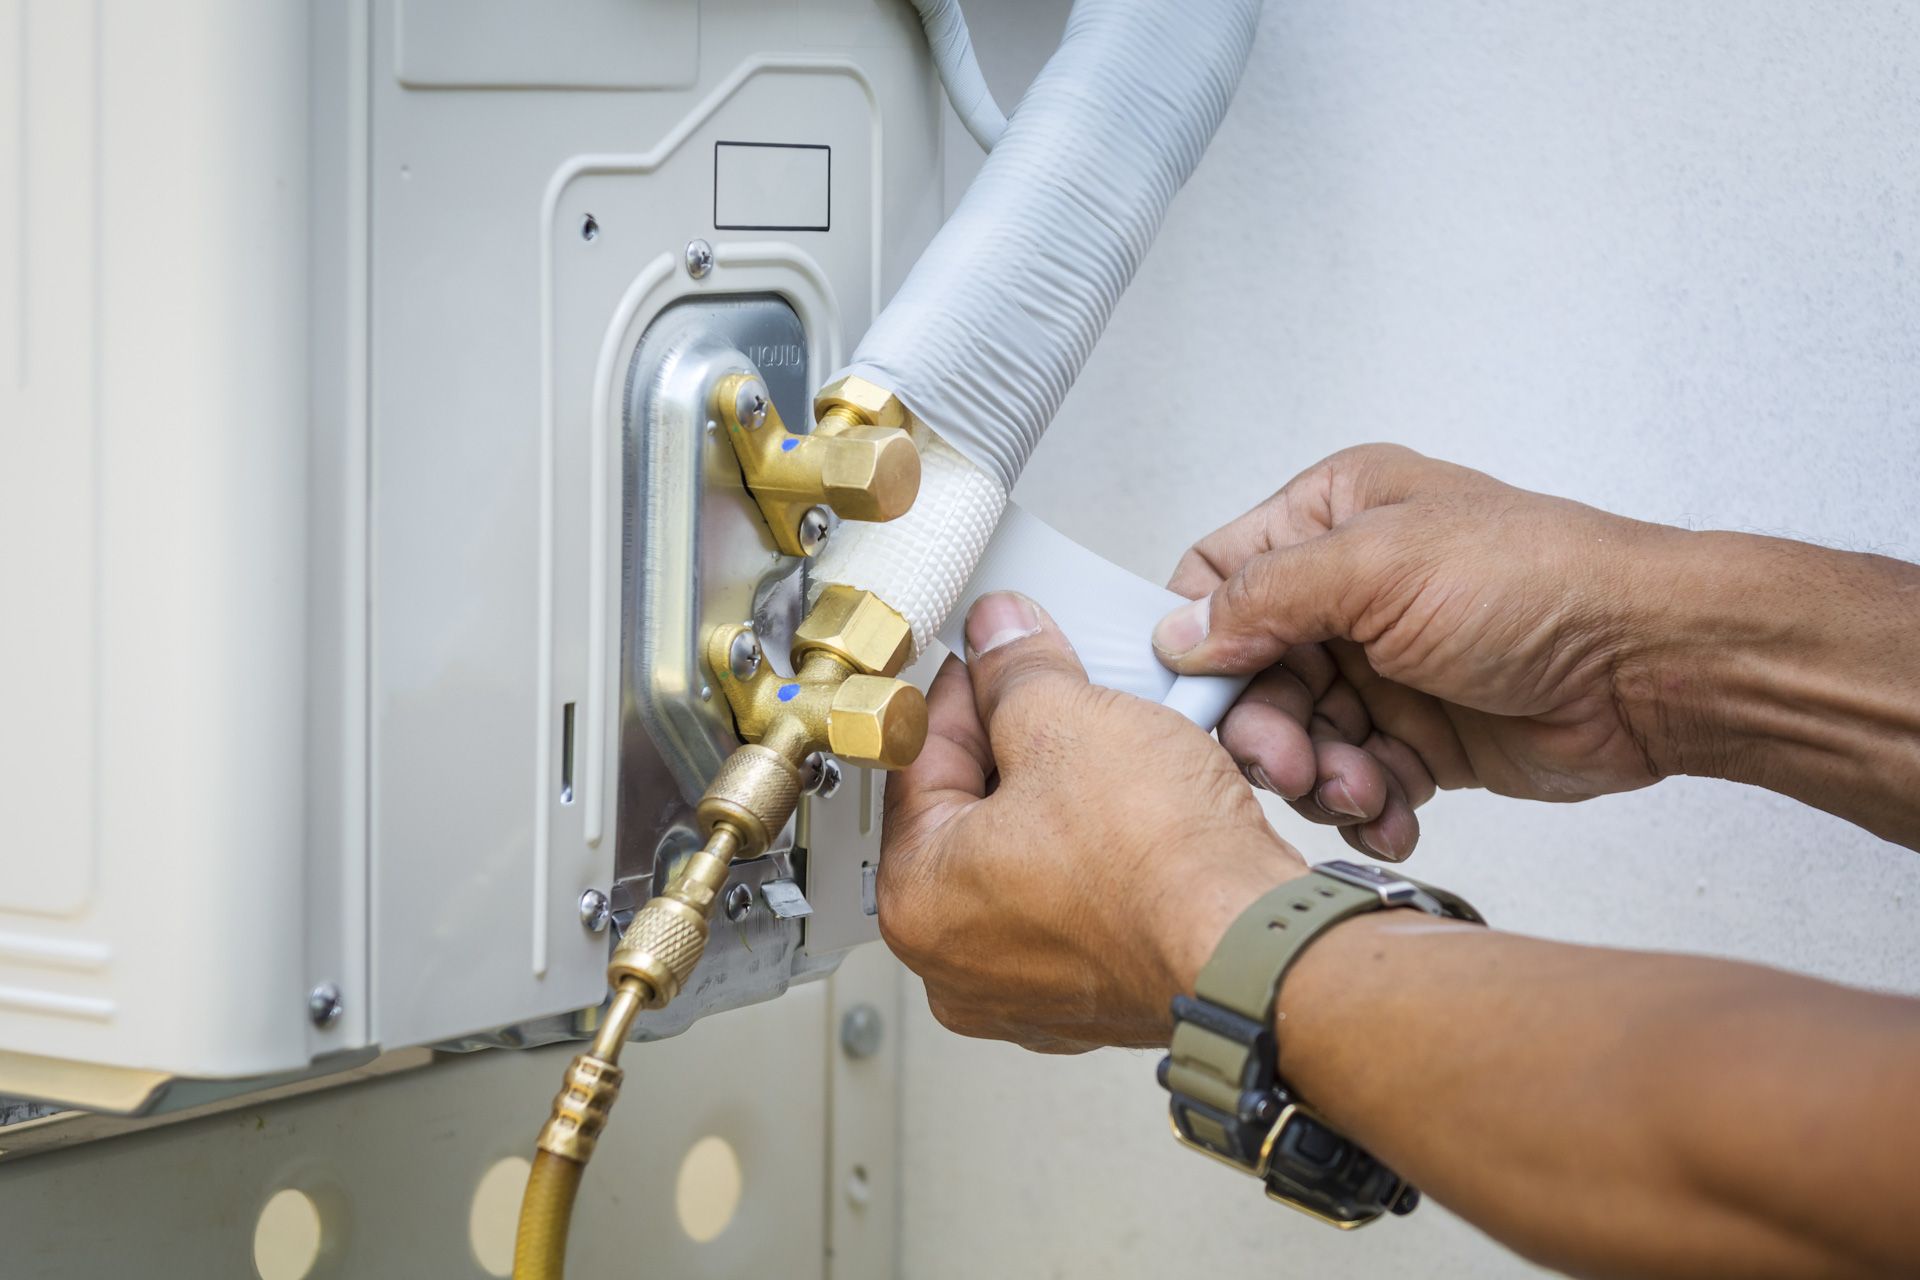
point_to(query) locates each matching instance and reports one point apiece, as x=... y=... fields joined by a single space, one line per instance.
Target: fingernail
x=999 y=618
x=1373 y=847
x=1258 y=777
x=1185 y=627
x=1334 y=797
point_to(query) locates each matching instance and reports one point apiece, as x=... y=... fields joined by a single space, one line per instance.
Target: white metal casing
x=304 y=522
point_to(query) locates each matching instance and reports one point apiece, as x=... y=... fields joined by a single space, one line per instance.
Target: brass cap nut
x=861 y=400
x=858 y=628
x=876 y=721
x=870 y=473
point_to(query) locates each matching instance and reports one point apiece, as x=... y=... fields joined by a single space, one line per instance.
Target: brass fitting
x=850 y=402
x=839 y=701
x=860 y=469
x=665 y=941
x=856 y=627
x=753 y=794
x=587 y=1092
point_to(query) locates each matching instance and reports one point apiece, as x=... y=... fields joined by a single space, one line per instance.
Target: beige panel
x=47 y=458
x=393 y=1166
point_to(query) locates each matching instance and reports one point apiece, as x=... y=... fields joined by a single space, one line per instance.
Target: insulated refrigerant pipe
x=959 y=69
x=995 y=321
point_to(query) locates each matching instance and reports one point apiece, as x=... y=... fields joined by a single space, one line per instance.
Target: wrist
x=1706 y=611
x=1201 y=907
x=1751 y=653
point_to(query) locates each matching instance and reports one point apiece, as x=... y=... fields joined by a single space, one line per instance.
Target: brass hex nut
x=858 y=628
x=876 y=721
x=870 y=473
x=861 y=400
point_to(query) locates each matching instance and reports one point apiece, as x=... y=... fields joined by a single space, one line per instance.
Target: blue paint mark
x=788 y=692
x=790 y=444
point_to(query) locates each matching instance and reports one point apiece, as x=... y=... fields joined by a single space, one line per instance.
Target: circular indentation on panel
x=859 y=1187
x=494 y=1214
x=707 y=1193
x=286 y=1236
x=589 y=228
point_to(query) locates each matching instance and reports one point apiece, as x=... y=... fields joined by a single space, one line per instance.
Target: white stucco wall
x=1659 y=257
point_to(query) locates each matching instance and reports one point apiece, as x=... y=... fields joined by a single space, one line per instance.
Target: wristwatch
x=1228 y=1100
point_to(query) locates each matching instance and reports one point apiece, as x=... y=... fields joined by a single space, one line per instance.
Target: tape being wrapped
x=1106 y=612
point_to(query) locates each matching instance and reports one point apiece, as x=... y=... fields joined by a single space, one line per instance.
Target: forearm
x=1789 y=666
x=1612 y=1113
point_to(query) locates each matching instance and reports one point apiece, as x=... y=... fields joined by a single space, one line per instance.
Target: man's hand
x=1062 y=858
x=1419 y=625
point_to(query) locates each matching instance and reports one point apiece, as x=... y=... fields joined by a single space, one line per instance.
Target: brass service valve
x=859 y=462
x=843 y=697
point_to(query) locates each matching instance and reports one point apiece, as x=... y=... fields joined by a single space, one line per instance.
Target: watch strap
x=1222 y=1053
x=1220 y=1067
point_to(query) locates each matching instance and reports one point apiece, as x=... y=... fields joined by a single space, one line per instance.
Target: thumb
x=1300 y=594
x=1013 y=650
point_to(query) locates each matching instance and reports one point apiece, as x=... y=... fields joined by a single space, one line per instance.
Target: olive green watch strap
x=1261 y=945
x=1220 y=1067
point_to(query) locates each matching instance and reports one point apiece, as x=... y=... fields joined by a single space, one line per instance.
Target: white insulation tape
x=1106 y=613
x=919 y=563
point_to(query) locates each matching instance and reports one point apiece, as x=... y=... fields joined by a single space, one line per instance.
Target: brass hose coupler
x=668 y=934
x=587 y=1093
x=754 y=793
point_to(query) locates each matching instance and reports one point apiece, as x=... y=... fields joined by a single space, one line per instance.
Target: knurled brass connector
x=661 y=947
x=587 y=1092
x=754 y=793
x=857 y=627
x=858 y=469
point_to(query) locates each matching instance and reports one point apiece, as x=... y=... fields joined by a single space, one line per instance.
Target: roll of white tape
x=1106 y=612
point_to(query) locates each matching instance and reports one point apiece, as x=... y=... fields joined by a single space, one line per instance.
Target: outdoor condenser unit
x=359 y=513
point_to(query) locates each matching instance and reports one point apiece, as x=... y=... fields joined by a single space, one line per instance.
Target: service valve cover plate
x=698 y=555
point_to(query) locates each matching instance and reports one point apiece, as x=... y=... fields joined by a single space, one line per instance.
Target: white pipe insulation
x=959 y=70
x=995 y=321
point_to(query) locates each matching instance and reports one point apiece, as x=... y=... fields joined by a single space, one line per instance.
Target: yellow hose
x=664 y=943
x=546 y=1211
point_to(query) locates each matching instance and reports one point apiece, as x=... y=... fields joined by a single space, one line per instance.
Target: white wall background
x=1659 y=257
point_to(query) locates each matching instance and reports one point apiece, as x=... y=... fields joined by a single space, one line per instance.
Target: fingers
x=951 y=773
x=1301 y=594
x=1301 y=567
x=1266 y=734
x=956 y=762
x=1313 y=503
x=1014 y=649
x=1306 y=732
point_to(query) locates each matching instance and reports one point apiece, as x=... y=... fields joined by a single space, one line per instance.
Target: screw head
x=739 y=902
x=324 y=1005
x=814 y=528
x=861 y=1031
x=743 y=655
x=820 y=775
x=595 y=911
x=750 y=403
x=699 y=259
